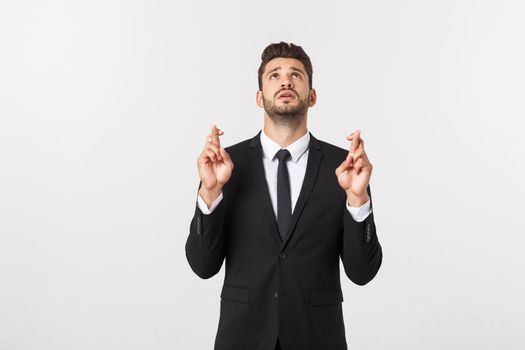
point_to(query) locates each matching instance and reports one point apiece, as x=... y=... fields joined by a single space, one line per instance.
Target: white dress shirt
x=296 y=170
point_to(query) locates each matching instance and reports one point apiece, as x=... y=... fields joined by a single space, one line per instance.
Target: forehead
x=284 y=63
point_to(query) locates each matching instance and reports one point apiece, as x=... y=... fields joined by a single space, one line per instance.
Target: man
x=280 y=209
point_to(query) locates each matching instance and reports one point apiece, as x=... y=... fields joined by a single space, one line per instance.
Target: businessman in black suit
x=281 y=209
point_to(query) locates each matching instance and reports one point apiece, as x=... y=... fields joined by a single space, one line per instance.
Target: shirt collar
x=296 y=149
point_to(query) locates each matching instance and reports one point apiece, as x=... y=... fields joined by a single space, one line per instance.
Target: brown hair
x=285 y=50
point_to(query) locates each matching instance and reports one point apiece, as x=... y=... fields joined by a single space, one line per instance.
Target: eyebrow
x=279 y=67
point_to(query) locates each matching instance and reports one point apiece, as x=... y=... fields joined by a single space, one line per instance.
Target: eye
x=296 y=75
x=273 y=75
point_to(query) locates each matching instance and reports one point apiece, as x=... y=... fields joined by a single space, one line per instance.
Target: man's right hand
x=215 y=167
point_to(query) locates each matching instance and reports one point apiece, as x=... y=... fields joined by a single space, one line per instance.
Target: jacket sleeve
x=361 y=252
x=205 y=246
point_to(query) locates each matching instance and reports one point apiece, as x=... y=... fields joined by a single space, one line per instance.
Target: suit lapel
x=261 y=185
x=315 y=155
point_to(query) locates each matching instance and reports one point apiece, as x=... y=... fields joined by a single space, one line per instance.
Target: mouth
x=286 y=95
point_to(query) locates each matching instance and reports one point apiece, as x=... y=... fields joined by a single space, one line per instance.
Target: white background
x=104 y=109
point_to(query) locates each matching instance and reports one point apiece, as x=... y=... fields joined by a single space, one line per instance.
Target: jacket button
x=282 y=256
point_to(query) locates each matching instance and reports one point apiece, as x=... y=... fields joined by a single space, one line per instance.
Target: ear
x=313 y=98
x=259 y=99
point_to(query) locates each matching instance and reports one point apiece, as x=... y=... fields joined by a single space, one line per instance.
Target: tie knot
x=283 y=154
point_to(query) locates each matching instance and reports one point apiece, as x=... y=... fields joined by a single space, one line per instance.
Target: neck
x=284 y=135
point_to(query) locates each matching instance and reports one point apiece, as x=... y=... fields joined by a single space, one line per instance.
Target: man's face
x=285 y=94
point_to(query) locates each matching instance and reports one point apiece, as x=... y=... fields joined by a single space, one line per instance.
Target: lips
x=286 y=94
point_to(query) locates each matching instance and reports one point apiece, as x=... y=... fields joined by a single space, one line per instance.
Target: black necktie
x=284 y=202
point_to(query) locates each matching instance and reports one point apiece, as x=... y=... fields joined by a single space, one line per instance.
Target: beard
x=287 y=114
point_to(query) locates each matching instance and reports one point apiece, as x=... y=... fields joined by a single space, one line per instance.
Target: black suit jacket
x=289 y=289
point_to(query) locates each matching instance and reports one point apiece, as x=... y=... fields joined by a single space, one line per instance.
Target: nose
x=286 y=82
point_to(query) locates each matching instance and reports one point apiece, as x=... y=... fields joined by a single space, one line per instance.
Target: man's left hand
x=354 y=172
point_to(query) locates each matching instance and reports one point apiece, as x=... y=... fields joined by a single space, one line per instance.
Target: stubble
x=287 y=114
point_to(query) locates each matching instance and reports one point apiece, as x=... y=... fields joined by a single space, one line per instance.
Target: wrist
x=356 y=201
x=210 y=195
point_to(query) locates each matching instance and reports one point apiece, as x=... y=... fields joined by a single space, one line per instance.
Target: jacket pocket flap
x=238 y=294
x=319 y=298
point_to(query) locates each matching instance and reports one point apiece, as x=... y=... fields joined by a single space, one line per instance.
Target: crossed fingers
x=357 y=154
x=213 y=144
